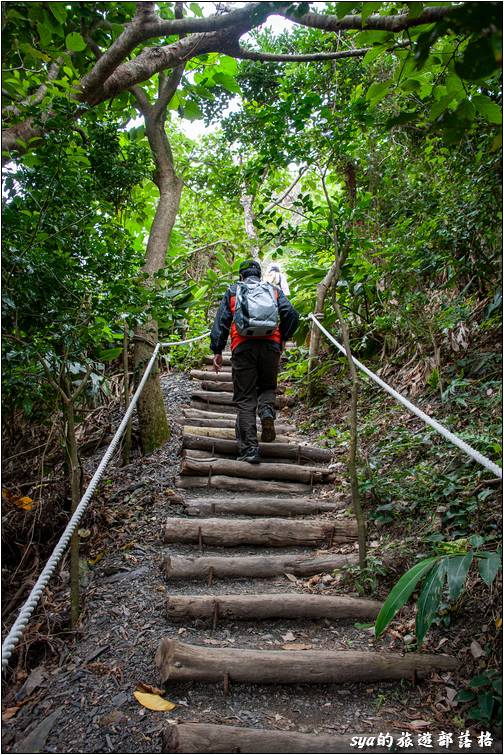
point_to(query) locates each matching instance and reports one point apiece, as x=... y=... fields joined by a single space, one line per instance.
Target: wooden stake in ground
x=178 y=661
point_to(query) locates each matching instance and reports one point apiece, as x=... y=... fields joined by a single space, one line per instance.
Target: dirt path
x=92 y=685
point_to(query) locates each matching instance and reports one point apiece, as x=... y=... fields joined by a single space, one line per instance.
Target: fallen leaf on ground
x=10 y=713
x=153 y=702
x=296 y=646
x=291 y=577
x=144 y=687
x=476 y=649
x=288 y=637
x=25 y=503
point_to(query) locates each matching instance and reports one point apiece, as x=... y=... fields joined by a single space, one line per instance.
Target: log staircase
x=286 y=503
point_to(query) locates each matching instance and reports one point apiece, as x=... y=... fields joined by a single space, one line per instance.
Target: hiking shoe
x=268 y=433
x=251 y=456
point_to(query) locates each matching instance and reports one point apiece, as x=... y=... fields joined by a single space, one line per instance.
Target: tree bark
x=281 y=450
x=178 y=661
x=180 y=567
x=213 y=738
x=259 y=506
x=248 y=216
x=126 y=448
x=217 y=377
x=242 y=485
x=74 y=477
x=271 y=533
x=270 y=606
x=232 y=468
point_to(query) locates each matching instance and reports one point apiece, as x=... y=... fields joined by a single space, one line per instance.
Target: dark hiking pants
x=255 y=372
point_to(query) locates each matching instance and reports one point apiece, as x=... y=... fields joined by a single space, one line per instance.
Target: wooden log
x=198 y=454
x=270 y=533
x=226 y=398
x=255 y=567
x=219 y=377
x=270 y=606
x=226 y=359
x=216 y=387
x=223 y=409
x=242 y=485
x=258 y=506
x=233 y=468
x=213 y=738
x=178 y=661
x=283 y=450
x=224 y=432
x=191 y=413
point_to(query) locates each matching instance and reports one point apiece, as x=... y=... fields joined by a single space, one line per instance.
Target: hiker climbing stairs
x=269 y=524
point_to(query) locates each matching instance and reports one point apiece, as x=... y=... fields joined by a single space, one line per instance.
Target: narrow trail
x=218 y=587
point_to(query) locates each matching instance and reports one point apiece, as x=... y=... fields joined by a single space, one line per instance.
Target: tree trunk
x=232 y=468
x=74 y=477
x=154 y=430
x=270 y=533
x=279 y=450
x=270 y=606
x=248 y=213
x=178 y=661
x=180 y=567
x=126 y=448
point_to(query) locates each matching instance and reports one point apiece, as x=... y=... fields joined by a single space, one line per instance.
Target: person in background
x=255 y=358
x=275 y=276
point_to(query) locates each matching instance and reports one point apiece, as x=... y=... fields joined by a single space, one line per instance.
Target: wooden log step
x=228 y=433
x=226 y=359
x=198 y=454
x=214 y=738
x=242 y=485
x=191 y=413
x=216 y=387
x=270 y=606
x=222 y=408
x=218 y=377
x=178 y=661
x=226 y=398
x=270 y=533
x=256 y=567
x=263 y=471
x=258 y=506
x=282 y=450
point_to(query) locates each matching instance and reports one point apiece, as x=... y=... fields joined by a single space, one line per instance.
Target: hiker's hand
x=217 y=362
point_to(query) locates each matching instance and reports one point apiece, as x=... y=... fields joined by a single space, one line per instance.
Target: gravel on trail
x=92 y=683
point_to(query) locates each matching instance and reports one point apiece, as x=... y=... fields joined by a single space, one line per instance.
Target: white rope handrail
x=29 y=605
x=465 y=447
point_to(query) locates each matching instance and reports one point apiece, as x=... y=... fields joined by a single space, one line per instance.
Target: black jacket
x=289 y=320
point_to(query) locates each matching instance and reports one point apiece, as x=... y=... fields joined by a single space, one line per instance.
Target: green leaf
x=75 y=42
x=489 y=566
x=479 y=681
x=372 y=54
x=59 y=12
x=227 y=65
x=377 y=91
x=464 y=696
x=45 y=34
x=401 y=592
x=107 y=355
x=429 y=600
x=478 y=61
x=196 y=9
x=192 y=111
x=415 y=9
x=486 y=704
x=487 y=108
x=228 y=82
x=367 y=10
x=457 y=568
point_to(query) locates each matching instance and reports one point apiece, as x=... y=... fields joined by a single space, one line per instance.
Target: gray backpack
x=256 y=309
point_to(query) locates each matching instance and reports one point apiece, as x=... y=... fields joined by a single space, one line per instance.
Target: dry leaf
x=144 y=687
x=153 y=702
x=291 y=577
x=93 y=561
x=296 y=646
x=288 y=637
x=84 y=533
x=498 y=623
x=25 y=503
x=476 y=649
x=10 y=713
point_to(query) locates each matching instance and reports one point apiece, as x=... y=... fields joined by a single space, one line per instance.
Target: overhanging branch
x=375 y=22
x=305 y=57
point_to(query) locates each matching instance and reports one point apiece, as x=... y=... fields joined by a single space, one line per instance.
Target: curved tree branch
x=241 y=52
x=375 y=22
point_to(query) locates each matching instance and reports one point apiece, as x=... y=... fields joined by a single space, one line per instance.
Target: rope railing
x=17 y=629
x=451 y=437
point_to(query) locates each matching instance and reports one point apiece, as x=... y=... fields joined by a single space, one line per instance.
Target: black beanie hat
x=250 y=267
